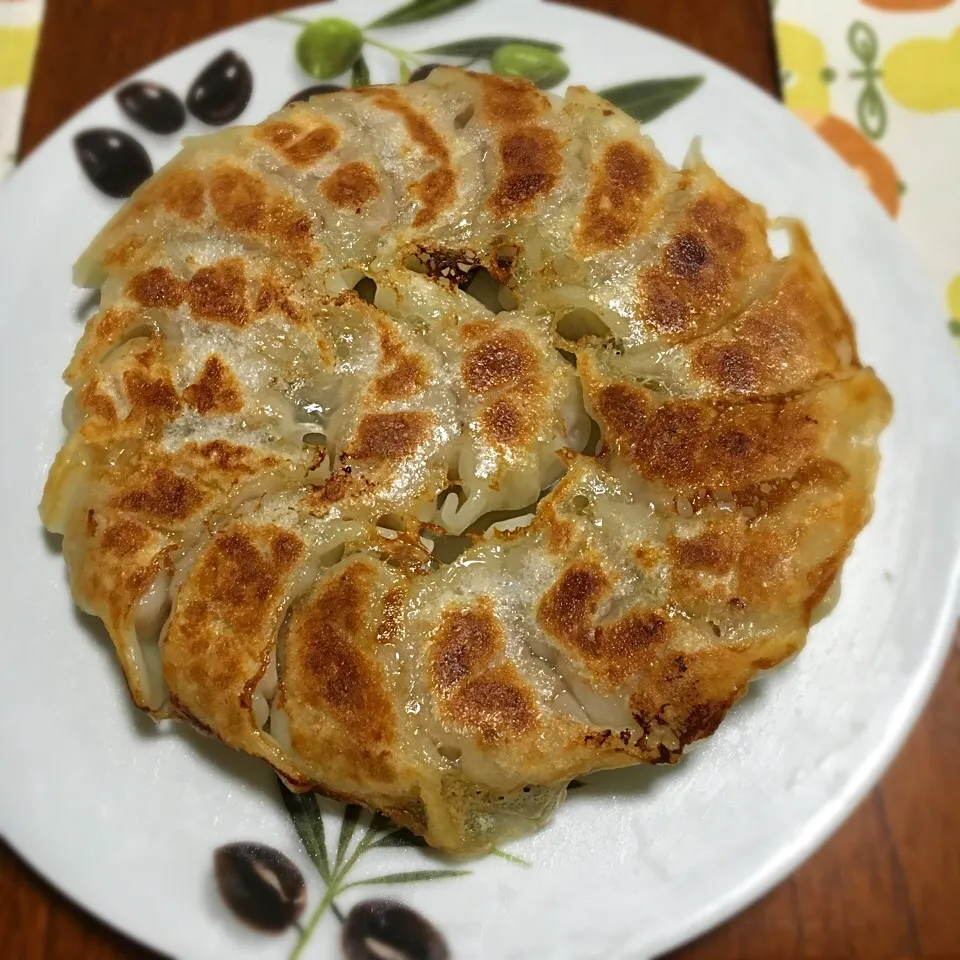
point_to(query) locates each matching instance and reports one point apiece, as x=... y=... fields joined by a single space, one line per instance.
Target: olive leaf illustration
x=378 y=832
x=418 y=10
x=510 y=857
x=871 y=110
x=645 y=100
x=302 y=808
x=482 y=48
x=360 y=73
x=409 y=876
x=540 y=65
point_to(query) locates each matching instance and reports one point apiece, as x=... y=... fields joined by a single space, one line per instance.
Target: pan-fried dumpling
x=441 y=443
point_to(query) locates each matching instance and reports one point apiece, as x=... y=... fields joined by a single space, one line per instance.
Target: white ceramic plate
x=123 y=815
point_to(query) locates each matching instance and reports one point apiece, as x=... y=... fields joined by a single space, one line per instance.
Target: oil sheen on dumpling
x=442 y=443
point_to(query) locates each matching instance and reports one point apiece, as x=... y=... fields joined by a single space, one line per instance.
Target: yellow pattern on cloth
x=17 y=46
x=879 y=80
x=924 y=74
x=19 y=31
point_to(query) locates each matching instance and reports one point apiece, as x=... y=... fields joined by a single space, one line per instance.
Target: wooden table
x=887 y=885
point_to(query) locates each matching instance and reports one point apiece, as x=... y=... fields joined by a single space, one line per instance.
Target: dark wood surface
x=886 y=886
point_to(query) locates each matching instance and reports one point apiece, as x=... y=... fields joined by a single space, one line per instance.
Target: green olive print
x=543 y=67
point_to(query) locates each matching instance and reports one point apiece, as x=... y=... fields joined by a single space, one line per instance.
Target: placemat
x=879 y=80
x=19 y=31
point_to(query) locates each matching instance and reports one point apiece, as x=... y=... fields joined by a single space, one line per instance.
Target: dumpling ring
x=441 y=443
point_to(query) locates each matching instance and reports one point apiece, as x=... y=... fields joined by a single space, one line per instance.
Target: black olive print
x=375 y=929
x=115 y=163
x=260 y=885
x=309 y=92
x=158 y=109
x=424 y=71
x=222 y=91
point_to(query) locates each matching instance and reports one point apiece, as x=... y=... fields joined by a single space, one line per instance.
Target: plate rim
x=904 y=714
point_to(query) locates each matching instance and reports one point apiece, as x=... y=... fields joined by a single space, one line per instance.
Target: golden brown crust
x=435 y=191
x=717 y=241
x=216 y=390
x=352 y=185
x=301 y=396
x=623 y=189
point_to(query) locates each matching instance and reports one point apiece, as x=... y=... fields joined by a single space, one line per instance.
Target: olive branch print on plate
x=265 y=889
x=331 y=49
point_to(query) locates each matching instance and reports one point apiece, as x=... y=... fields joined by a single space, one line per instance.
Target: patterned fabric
x=879 y=80
x=19 y=30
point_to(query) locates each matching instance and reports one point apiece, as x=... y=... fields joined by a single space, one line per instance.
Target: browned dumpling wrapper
x=442 y=443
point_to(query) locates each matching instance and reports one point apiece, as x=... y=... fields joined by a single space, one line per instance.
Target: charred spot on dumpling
x=333 y=676
x=466 y=643
x=245 y=577
x=274 y=295
x=156 y=287
x=299 y=147
x=789 y=338
x=444 y=263
x=718 y=217
x=702 y=720
x=404 y=380
x=623 y=645
x=124 y=538
x=499 y=362
x=178 y=190
x=687 y=257
x=718 y=239
x=418 y=126
x=687 y=444
x=94 y=402
x=678 y=709
x=391 y=436
x=218 y=641
x=730 y=367
x=709 y=551
x=498 y=705
x=151 y=397
x=352 y=186
x=216 y=390
x=613 y=652
x=219 y=293
x=436 y=191
x=530 y=165
x=231 y=460
x=623 y=187
x=239 y=199
x=244 y=203
x=504 y=422
x=162 y=495
x=182 y=194
x=508 y=101
x=568 y=609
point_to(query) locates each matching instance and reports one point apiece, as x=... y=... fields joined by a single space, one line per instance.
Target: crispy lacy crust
x=265 y=447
